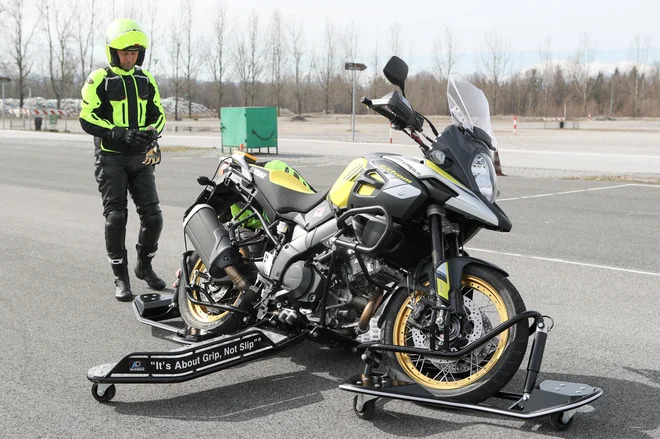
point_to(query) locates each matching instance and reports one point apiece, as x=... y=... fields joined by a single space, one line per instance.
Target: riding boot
x=143 y=269
x=123 y=291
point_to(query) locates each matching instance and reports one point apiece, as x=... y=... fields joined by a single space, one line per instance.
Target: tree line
x=268 y=60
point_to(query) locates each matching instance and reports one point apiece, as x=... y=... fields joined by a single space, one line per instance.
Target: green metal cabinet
x=252 y=127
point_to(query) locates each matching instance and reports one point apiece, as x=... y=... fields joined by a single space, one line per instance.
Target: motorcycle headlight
x=483 y=172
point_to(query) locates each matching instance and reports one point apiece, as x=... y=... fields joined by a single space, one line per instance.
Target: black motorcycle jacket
x=112 y=97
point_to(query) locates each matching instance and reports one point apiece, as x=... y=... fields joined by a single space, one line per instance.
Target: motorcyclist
x=121 y=108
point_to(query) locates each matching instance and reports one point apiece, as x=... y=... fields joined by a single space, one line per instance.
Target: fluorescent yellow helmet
x=125 y=34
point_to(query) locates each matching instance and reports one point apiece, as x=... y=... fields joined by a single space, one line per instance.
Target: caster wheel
x=368 y=409
x=560 y=420
x=106 y=396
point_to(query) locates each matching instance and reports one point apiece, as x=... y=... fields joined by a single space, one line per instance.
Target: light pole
x=360 y=67
x=3 y=79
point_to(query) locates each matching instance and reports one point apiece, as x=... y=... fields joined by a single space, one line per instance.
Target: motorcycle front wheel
x=490 y=299
x=221 y=292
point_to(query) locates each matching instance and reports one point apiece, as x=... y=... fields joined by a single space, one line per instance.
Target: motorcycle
x=379 y=258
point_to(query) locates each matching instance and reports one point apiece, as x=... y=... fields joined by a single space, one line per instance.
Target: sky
x=611 y=25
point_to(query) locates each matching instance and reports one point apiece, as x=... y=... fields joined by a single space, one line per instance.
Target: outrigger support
x=555 y=399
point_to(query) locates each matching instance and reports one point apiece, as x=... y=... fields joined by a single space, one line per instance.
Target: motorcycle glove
x=122 y=134
x=146 y=137
x=152 y=156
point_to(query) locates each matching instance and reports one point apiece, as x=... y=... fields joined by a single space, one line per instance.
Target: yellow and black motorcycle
x=379 y=258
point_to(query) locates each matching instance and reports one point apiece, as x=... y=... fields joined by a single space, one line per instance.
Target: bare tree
x=445 y=54
x=350 y=53
x=547 y=74
x=175 y=49
x=153 y=37
x=639 y=54
x=297 y=51
x=189 y=53
x=279 y=56
x=133 y=9
x=216 y=56
x=495 y=63
x=580 y=66
x=59 y=25
x=256 y=54
x=327 y=67
x=396 y=40
x=19 y=36
x=375 y=60
x=84 y=36
x=241 y=65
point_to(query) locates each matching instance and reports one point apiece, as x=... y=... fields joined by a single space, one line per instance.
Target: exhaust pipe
x=211 y=240
x=370 y=310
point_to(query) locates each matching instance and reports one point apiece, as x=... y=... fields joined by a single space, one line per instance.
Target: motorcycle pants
x=118 y=175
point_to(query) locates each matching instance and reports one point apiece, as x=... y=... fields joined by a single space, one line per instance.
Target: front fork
x=447 y=275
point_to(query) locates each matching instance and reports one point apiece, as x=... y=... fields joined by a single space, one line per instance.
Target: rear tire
x=212 y=319
x=492 y=372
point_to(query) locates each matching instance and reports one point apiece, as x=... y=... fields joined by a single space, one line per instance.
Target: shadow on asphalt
x=260 y=397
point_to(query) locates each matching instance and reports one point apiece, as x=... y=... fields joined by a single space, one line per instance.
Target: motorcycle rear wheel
x=474 y=378
x=207 y=318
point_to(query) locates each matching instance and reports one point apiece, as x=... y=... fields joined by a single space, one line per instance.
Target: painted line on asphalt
x=567 y=192
x=574 y=153
x=563 y=261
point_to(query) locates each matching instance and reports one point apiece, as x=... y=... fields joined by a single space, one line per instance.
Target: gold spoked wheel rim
x=203 y=313
x=420 y=369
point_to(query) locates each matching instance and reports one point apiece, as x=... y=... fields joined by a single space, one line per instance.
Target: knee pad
x=117 y=218
x=153 y=222
x=150 y=231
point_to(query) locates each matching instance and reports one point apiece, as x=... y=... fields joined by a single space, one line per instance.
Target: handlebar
x=393 y=118
x=397 y=122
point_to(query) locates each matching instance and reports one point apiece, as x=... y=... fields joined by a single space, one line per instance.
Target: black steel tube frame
x=326 y=287
x=261 y=219
x=183 y=283
x=466 y=350
x=357 y=246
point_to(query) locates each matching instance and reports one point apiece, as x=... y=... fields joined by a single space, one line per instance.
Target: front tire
x=207 y=318
x=481 y=373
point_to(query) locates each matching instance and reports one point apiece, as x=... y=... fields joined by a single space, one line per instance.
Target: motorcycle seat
x=286 y=193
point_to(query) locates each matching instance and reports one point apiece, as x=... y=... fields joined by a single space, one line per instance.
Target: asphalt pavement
x=584 y=252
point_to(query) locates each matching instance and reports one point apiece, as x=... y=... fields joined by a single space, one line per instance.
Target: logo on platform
x=137 y=367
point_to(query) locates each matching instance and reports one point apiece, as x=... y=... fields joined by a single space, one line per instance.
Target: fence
x=561 y=123
x=33 y=119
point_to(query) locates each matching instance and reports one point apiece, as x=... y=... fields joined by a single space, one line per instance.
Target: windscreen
x=468 y=105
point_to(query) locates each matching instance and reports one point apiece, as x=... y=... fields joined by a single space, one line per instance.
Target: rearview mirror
x=396 y=71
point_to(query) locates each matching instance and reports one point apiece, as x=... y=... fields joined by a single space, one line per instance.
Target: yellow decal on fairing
x=442 y=280
x=396 y=174
x=340 y=191
x=366 y=190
